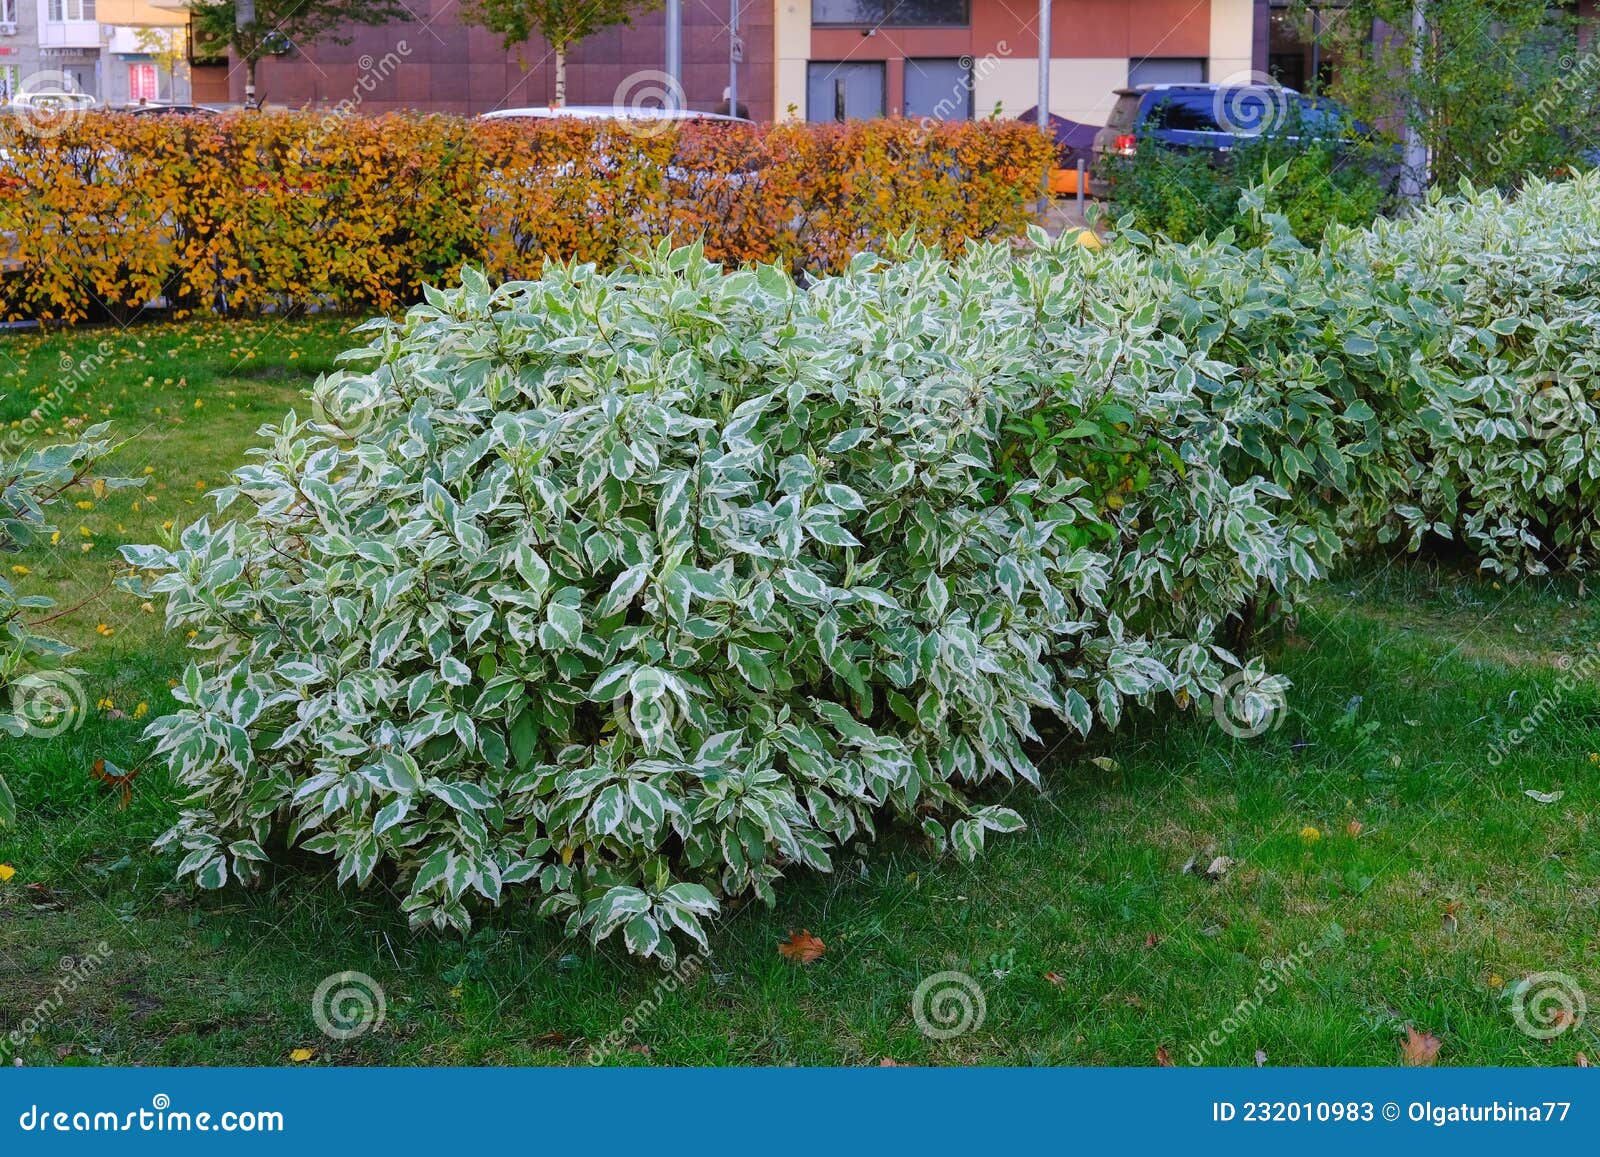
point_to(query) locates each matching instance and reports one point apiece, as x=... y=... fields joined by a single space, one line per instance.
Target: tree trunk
x=561 y=77
x=249 y=81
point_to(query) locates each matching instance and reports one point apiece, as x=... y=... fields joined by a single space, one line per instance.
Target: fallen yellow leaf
x=301 y=1055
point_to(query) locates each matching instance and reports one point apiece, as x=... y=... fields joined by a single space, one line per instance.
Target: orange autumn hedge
x=251 y=212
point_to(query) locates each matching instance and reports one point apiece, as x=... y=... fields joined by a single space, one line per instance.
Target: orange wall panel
x=1094 y=28
x=889 y=43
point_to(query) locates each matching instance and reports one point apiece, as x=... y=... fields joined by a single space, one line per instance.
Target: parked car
x=1216 y=119
x=687 y=172
x=602 y=112
x=170 y=110
x=51 y=100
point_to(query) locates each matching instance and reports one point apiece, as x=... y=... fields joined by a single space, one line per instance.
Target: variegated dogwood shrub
x=1499 y=412
x=636 y=590
x=1433 y=375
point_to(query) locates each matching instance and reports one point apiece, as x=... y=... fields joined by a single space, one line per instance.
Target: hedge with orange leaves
x=252 y=213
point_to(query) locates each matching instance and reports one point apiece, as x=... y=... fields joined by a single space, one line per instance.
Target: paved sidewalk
x=1063 y=214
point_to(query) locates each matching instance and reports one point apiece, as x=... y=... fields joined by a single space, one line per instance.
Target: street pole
x=735 y=50
x=1044 y=102
x=675 y=54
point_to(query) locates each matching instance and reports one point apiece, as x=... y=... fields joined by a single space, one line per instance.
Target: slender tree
x=560 y=23
x=1493 y=89
x=266 y=27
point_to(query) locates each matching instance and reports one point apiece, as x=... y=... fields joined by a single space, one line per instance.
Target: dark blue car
x=1215 y=118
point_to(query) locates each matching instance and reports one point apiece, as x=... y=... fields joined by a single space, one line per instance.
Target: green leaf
x=460 y=795
x=641 y=935
x=213 y=873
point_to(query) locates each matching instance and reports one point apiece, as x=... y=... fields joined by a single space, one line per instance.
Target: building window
x=63 y=10
x=1166 y=70
x=8 y=11
x=847 y=91
x=8 y=82
x=893 y=13
x=939 y=89
x=141 y=83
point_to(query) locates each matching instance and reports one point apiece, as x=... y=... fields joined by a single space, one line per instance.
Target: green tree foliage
x=1503 y=90
x=281 y=24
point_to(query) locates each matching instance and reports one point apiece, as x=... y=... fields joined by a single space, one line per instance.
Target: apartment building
x=960 y=58
x=118 y=51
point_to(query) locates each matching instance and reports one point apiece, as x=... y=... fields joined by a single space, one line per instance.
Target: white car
x=693 y=180
x=54 y=100
x=605 y=112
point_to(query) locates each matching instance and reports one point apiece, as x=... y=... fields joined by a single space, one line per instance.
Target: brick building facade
x=811 y=59
x=437 y=63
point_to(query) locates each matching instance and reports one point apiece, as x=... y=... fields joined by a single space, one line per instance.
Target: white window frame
x=70 y=11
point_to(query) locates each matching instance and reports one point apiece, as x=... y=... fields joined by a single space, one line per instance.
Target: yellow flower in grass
x=141 y=711
x=104 y=631
x=1310 y=834
x=6 y=872
x=20 y=570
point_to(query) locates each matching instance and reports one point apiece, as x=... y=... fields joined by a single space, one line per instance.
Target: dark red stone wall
x=447 y=67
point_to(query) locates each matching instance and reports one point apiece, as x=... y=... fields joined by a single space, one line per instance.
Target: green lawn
x=1386 y=861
